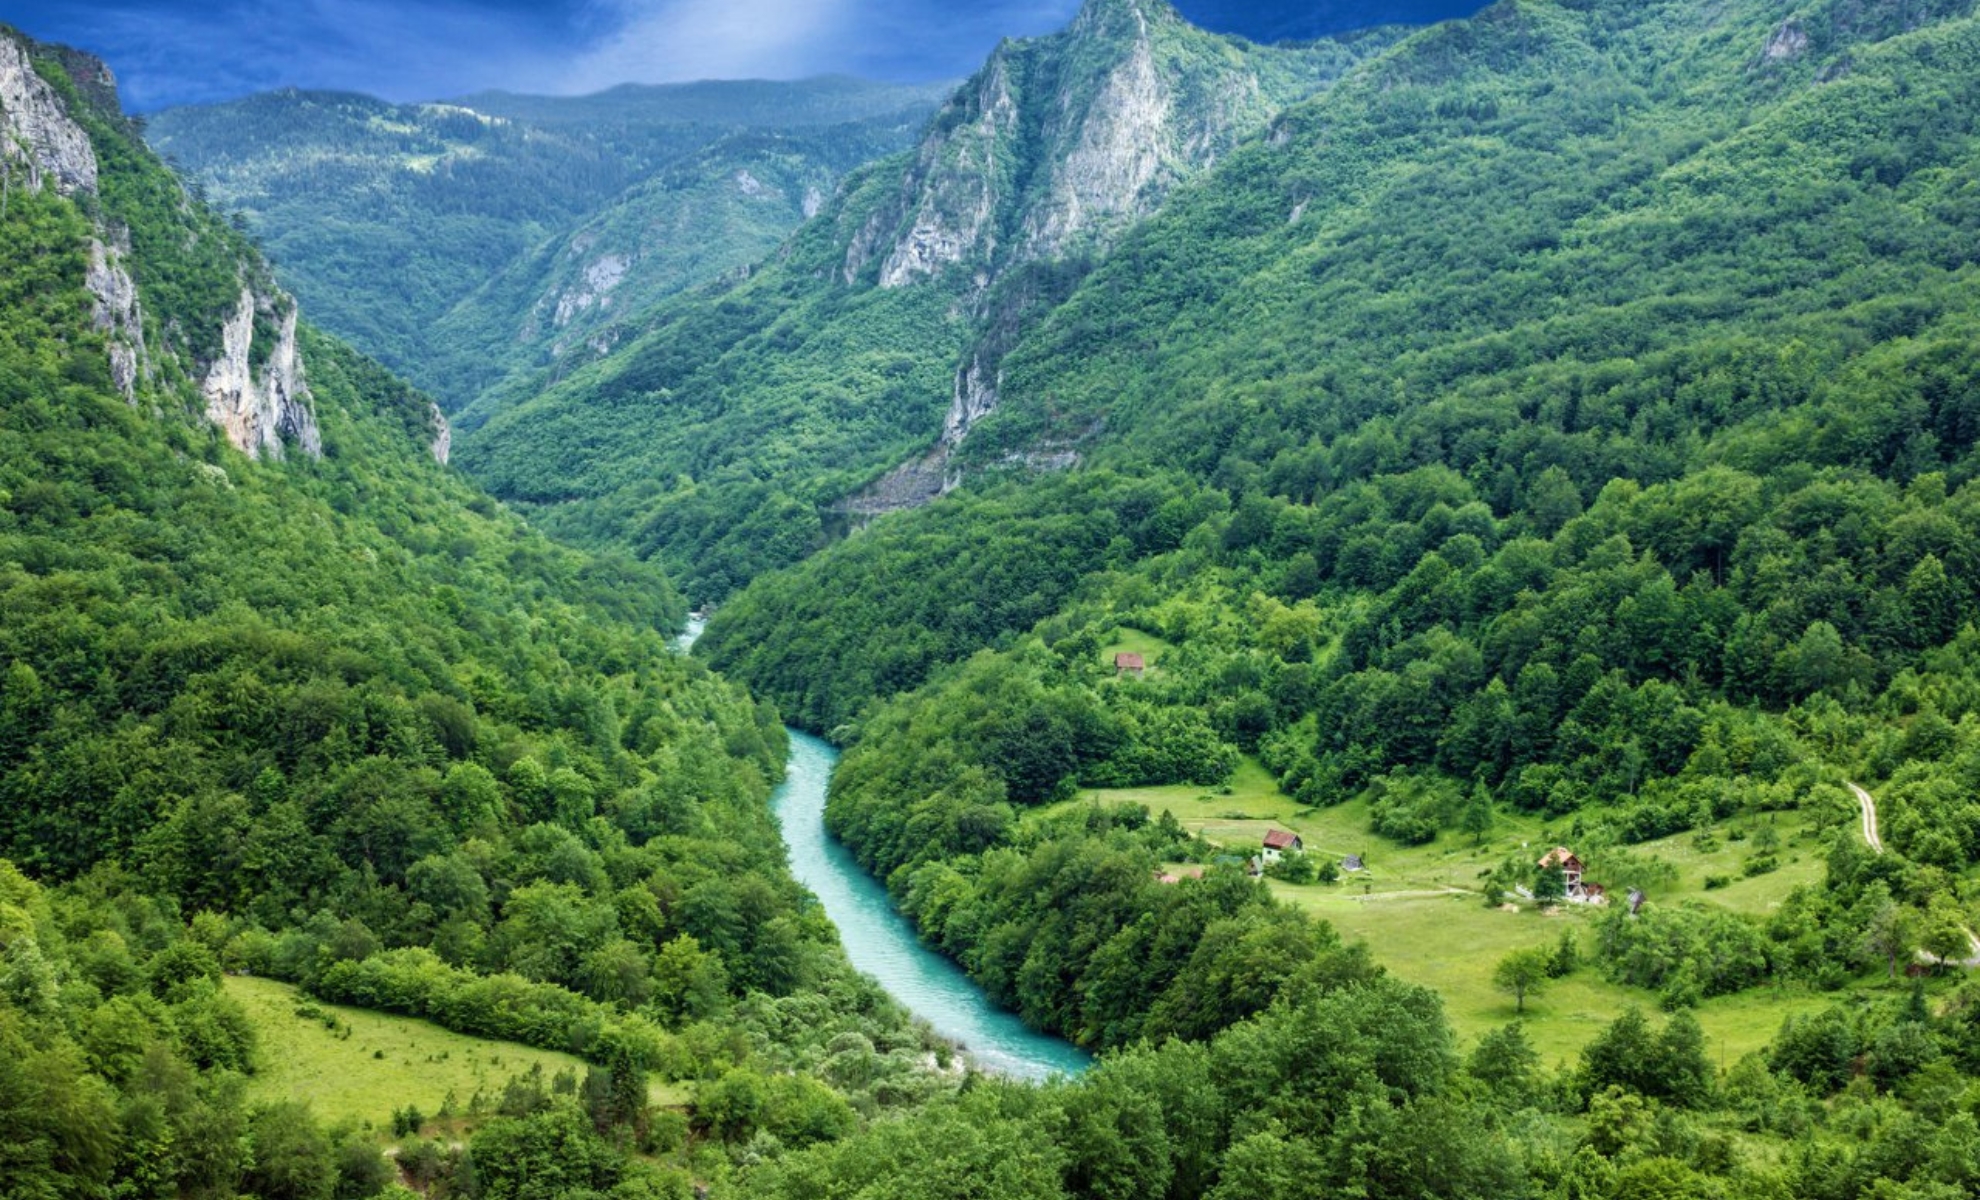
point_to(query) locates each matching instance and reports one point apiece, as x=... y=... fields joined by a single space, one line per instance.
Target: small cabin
x=1579 y=889
x=1564 y=858
x=1129 y=664
x=1278 y=843
x=1353 y=863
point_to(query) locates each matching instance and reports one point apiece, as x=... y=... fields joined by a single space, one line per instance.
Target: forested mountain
x=750 y=418
x=1543 y=279
x=1570 y=413
x=464 y=242
x=1562 y=420
x=280 y=694
x=575 y=296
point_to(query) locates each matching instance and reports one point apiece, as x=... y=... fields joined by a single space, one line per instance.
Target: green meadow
x=1420 y=910
x=358 y=1065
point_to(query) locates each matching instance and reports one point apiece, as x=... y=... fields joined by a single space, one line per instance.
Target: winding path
x=1869 y=807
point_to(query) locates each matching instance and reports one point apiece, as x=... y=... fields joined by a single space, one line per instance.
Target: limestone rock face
x=1060 y=143
x=1788 y=41
x=601 y=276
x=442 y=445
x=952 y=196
x=36 y=130
x=1047 y=156
x=38 y=134
x=1123 y=152
x=975 y=399
x=115 y=312
x=259 y=408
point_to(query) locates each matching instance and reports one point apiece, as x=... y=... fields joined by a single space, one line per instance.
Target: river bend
x=881 y=942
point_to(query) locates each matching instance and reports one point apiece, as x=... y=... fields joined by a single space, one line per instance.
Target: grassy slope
x=374 y=1064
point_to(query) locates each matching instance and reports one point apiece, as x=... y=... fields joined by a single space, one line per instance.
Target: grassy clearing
x=1420 y=912
x=1135 y=641
x=1451 y=943
x=375 y=1063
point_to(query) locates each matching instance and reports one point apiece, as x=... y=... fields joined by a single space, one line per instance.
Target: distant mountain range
x=506 y=235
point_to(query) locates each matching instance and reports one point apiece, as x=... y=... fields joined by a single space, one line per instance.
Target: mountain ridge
x=912 y=279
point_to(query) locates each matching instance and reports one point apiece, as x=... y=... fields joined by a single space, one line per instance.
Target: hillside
x=281 y=694
x=578 y=294
x=460 y=244
x=748 y=421
x=1566 y=415
x=1557 y=434
x=1491 y=305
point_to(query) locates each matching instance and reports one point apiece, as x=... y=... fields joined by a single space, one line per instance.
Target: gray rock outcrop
x=1049 y=154
x=442 y=445
x=35 y=129
x=115 y=313
x=259 y=409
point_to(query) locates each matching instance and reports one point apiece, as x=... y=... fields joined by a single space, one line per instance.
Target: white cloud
x=663 y=41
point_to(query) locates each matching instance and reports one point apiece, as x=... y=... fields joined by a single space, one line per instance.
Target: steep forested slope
x=1534 y=253
x=280 y=694
x=748 y=422
x=461 y=243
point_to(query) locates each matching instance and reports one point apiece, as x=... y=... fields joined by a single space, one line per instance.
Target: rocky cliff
x=1061 y=142
x=250 y=376
x=39 y=139
x=258 y=406
x=39 y=132
x=116 y=314
x=736 y=428
x=1044 y=159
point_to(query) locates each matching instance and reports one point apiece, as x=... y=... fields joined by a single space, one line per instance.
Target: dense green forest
x=504 y=238
x=1564 y=417
x=343 y=720
x=1640 y=483
x=1564 y=420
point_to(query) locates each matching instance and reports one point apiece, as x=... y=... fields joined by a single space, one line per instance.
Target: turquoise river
x=880 y=942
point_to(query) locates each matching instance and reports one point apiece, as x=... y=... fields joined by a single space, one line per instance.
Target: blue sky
x=187 y=51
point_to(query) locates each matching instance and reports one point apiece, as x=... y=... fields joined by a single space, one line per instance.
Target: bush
x=1295 y=868
x=1686 y=952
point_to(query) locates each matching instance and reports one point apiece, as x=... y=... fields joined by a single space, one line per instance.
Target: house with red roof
x=1278 y=843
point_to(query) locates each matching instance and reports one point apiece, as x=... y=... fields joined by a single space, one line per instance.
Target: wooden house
x=1564 y=858
x=1579 y=889
x=1129 y=664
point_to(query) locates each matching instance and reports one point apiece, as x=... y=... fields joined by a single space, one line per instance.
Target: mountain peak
x=1117 y=18
x=1060 y=142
